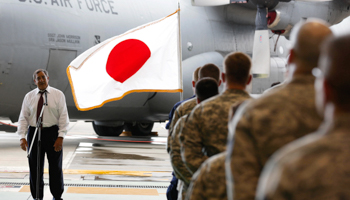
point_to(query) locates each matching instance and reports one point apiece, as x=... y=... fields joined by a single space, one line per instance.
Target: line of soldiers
x=290 y=143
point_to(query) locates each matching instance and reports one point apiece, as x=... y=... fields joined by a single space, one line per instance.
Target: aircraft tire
x=139 y=129
x=107 y=130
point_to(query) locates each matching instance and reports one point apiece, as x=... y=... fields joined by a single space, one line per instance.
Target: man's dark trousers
x=48 y=139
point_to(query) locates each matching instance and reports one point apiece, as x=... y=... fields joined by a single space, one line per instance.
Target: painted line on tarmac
x=68 y=160
x=97 y=172
x=108 y=172
x=131 y=141
x=154 y=141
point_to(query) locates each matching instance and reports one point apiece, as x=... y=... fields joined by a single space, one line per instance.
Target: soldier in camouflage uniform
x=172 y=192
x=205 y=88
x=279 y=116
x=208 y=70
x=317 y=166
x=174 y=114
x=209 y=181
x=205 y=130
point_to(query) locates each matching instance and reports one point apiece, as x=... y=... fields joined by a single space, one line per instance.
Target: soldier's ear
x=291 y=57
x=249 y=79
x=223 y=77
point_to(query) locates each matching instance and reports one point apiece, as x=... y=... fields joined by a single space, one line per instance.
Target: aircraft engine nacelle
x=279 y=22
x=277 y=74
x=190 y=65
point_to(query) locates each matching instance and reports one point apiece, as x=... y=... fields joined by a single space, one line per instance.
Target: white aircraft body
x=49 y=34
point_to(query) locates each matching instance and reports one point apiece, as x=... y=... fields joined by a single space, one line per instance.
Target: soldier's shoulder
x=297 y=151
x=270 y=99
x=189 y=103
x=217 y=161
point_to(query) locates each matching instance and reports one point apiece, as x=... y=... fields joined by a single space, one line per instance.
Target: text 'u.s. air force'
x=101 y=6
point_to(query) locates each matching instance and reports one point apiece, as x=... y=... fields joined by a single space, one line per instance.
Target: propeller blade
x=261 y=46
x=261 y=54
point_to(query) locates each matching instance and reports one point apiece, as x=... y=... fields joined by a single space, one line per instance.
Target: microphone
x=45 y=98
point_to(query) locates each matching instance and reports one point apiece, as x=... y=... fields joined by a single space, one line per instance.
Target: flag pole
x=180 y=54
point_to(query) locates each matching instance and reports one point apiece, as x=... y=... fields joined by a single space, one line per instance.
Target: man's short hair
x=336 y=67
x=196 y=74
x=40 y=70
x=237 y=67
x=206 y=88
x=210 y=70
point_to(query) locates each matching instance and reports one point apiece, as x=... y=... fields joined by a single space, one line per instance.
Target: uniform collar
x=235 y=91
x=303 y=78
x=341 y=121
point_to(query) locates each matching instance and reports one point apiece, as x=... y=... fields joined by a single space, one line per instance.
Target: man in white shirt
x=55 y=122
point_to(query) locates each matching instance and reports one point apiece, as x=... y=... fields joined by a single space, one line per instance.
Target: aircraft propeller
x=261 y=45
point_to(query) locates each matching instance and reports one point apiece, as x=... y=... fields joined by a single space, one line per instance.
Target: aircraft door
x=59 y=59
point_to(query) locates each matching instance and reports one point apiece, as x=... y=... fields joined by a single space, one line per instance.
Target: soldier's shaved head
x=237 y=68
x=196 y=74
x=308 y=40
x=336 y=68
x=210 y=70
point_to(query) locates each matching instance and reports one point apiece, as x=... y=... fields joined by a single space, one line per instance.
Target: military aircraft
x=49 y=34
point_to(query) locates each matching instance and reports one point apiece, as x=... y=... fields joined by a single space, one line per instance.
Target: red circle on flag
x=126 y=58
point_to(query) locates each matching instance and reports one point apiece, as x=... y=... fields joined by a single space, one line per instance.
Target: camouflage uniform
x=313 y=167
x=209 y=181
x=205 y=132
x=267 y=124
x=180 y=170
x=183 y=109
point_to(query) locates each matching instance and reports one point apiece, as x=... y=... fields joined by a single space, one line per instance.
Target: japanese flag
x=144 y=59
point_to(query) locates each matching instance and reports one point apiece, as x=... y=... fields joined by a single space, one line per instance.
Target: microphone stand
x=38 y=127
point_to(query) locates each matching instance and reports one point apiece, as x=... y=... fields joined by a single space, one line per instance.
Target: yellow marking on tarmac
x=25 y=188
x=118 y=191
x=108 y=172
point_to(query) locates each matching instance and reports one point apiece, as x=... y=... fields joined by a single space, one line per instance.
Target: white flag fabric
x=144 y=59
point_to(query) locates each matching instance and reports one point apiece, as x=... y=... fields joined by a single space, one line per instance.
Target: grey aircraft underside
x=49 y=34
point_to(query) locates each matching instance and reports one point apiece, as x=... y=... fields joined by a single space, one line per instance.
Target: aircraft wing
x=7 y=127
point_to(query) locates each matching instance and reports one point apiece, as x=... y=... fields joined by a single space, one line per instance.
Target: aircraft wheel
x=139 y=129
x=107 y=130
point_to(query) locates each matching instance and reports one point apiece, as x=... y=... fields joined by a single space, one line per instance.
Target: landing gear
x=139 y=129
x=103 y=130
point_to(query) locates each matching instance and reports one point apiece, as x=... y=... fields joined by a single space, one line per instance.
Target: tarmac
x=94 y=167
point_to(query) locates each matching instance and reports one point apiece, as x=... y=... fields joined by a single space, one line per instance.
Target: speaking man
x=55 y=122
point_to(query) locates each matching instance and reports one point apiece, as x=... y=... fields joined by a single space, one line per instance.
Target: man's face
x=41 y=80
